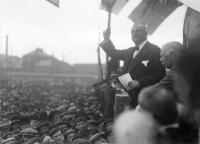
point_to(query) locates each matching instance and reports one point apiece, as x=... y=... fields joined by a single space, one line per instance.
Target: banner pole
x=109 y=29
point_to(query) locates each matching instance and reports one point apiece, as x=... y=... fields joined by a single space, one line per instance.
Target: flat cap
x=10 y=141
x=95 y=137
x=29 y=131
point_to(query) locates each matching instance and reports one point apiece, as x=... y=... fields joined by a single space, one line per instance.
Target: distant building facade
x=11 y=63
x=30 y=60
x=40 y=62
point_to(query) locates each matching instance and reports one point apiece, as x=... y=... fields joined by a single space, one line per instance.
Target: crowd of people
x=43 y=112
x=37 y=112
x=164 y=106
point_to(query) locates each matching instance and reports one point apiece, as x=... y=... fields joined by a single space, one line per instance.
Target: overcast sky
x=72 y=30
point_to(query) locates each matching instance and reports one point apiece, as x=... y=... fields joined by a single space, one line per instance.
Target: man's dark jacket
x=168 y=81
x=145 y=67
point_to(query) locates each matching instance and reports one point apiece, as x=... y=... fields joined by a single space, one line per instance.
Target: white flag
x=116 y=7
x=54 y=2
x=194 y=4
x=152 y=13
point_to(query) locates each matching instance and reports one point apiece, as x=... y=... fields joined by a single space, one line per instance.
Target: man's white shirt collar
x=142 y=45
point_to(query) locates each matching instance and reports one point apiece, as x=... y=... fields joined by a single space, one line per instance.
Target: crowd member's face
x=139 y=34
x=43 y=130
x=70 y=137
x=16 y=126
x=80 y=125
x=58 y=137
x=91 y=127
x=63 y=126
x=109 y=126
x=34 y=124
x=27 y=137
x=50 y=141
x=166 y=58
x=36 y=143
x=56 y=118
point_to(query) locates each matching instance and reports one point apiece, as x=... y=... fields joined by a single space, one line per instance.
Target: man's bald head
x=139 y=33
x=169 y=53
x=140 y=27
x=172 y=46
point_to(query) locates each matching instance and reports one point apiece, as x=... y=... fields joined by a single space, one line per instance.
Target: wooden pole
x=100 y=70
x=109 y=29
x=109 y=5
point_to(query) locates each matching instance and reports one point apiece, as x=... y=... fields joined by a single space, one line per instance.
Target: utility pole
x=6 y=52
x=6 y=60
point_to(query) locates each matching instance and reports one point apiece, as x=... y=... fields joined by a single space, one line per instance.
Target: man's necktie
x=135 y=52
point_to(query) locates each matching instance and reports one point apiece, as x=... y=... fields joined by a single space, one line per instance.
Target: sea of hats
x=39 y=112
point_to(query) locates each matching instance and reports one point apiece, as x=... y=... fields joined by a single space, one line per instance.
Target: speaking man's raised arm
x=109 y=47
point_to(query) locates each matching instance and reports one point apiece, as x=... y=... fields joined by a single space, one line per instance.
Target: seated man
x=168 y=57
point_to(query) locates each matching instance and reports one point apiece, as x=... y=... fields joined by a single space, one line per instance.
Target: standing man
x=142 y=61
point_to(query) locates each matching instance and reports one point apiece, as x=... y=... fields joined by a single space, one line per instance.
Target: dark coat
x=168 y=81
x=147 y=75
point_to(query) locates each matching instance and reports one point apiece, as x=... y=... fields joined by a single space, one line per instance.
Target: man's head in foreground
x=134 y=127
x=160 y=103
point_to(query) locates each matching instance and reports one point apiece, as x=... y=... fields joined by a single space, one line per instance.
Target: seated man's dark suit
x=147 y=74
x=168 y=81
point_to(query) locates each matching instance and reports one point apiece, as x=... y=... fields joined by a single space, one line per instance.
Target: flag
x=54 y=2
x=115 y=6
x=153 y=12
x=191 y=29
x=194 y=4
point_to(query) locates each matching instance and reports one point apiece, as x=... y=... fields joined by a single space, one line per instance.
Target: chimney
x=6 y=52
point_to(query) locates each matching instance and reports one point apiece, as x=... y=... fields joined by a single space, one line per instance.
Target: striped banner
x=194 y=4
x=152 y=13
x=114 y=5
x=191 y=28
